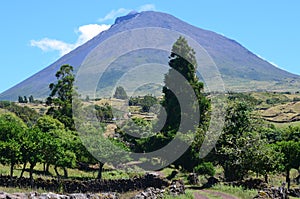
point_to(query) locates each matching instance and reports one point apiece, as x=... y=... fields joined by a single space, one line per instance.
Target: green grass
x=73 y=173
x=285 y=125
x=235 y=191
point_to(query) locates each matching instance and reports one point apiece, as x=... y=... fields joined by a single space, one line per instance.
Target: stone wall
x=34 y=195
x=94 y=186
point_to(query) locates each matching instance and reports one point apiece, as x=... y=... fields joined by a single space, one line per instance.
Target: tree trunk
x=266 y=178
x=31 y=174
x=287 y=179
x=23 y=170
x=65 y=172
x=44 y=168
x=31 y=171
x=100 y=170
x=47 y=168
x=57 y=174
x=11 y=170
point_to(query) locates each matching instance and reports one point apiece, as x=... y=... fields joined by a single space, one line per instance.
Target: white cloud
x=114 y=13
x=86 y=32
x=47 y=44
x=147 y=7
x=123 y=11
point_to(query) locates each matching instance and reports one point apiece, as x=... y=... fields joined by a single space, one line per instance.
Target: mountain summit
x=240 y=69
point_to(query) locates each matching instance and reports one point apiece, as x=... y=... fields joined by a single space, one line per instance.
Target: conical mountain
x=239 y=68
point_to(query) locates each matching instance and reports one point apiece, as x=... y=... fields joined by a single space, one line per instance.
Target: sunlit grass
x=236 y=191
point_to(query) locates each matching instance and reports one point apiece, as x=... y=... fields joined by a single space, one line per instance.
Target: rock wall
x=94 y=186
x=34 y=195
x=277 y=193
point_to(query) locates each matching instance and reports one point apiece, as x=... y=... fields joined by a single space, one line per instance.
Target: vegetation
x=120 y=93
x=250 y=144
x=239 y=192
x=145 y=102
x=61 y=96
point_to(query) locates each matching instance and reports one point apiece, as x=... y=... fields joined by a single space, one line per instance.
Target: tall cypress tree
x=183 y=61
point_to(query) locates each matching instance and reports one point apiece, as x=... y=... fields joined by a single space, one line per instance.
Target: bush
x=205 y=168
x=296 y=99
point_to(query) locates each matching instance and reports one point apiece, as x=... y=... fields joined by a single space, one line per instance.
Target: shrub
x=205 y=168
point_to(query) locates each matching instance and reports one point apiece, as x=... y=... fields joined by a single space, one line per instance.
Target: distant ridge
x=241 y=69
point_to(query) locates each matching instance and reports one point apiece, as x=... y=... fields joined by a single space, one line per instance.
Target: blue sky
x=35 y=33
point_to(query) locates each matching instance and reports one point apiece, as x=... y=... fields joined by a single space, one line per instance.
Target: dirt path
x=197 y=195
x=222 y=195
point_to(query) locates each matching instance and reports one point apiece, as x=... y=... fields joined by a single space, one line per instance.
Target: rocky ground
x=35 y=195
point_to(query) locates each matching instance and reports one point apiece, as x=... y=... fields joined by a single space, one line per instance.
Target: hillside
x=240 y=69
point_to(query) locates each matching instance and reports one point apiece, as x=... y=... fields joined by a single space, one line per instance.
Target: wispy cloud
x=147 y=7
x=114 y=13
x=85 y=33
x=47 y=44
x=89 y=31
x=123 y=11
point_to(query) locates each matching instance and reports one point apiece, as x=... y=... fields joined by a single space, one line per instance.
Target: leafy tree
x=145 y=102
x=47 y=123
x=241 y=136
x=291 y=151
x=61 y=96
x=135 y=133
x=12 y=130
x=291 y=133
x=59 y=145
x=104 y=113
x=103 y=149
x=120 y=93
x=264 y=159
x=32 y=149
x=28 y=115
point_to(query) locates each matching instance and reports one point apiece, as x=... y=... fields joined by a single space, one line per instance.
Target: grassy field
x=73 y=173
x=236 y=191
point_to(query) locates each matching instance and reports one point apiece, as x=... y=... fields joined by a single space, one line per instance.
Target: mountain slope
x=240 y=68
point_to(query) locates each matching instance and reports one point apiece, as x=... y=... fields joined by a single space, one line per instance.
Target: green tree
x=182 y=60
x=120 y=93
x=12 y=130
x=25 y=100
x=239 y=141
x=31 y=99
x=264 y=159
x=102 y=149
x=32 y=149
x=28 y=115
x=20 y=99
x=61 y=96
x=291 y=152
x=59 y=145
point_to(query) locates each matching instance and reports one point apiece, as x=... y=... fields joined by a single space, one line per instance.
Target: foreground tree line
x=247 y=143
